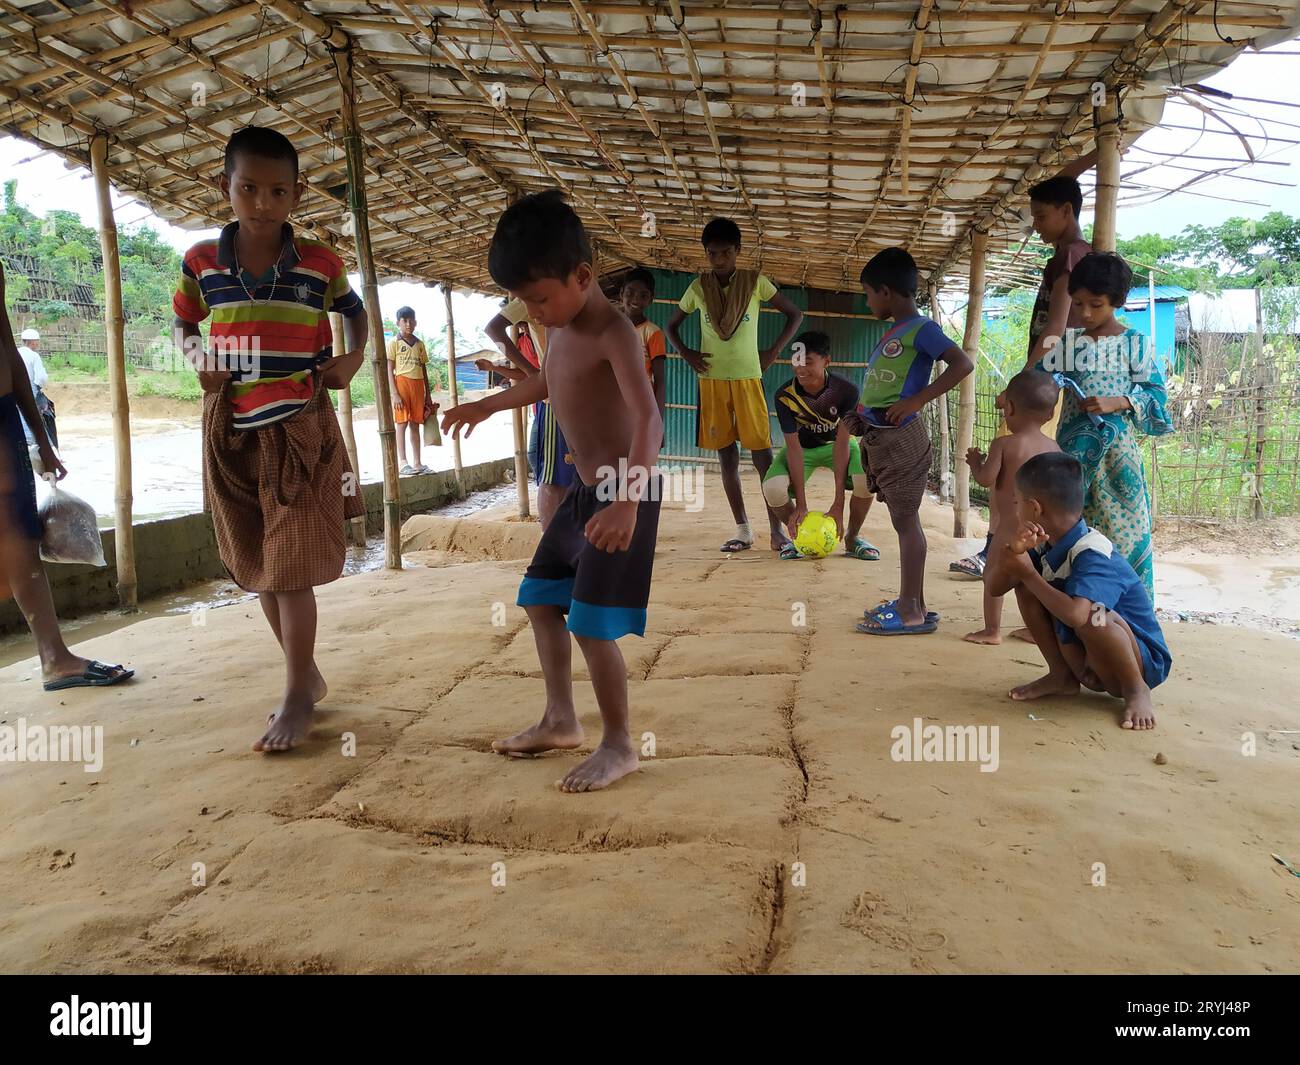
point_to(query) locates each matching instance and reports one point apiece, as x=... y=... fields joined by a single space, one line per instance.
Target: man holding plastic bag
x=22 y=530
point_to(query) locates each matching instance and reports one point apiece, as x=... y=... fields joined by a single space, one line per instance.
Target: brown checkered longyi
x=279 y=496
x=897 y=462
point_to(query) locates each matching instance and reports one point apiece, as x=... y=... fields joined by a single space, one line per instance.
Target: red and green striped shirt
x=271 y=332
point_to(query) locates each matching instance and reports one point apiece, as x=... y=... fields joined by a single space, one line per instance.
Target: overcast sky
x=45 y=182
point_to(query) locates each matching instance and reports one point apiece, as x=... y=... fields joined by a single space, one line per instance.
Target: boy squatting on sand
x=1027 y=404
x=809 y=408
x=595 y=556
x=1084 y=603
x=275 y=474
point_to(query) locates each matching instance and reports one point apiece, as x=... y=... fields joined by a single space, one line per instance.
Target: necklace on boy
x=275 y=280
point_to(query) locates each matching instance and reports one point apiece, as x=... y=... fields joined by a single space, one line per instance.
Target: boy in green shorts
x=809 y=407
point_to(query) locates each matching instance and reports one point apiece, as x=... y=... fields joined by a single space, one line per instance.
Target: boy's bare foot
x=319 y=689
x=989 y=636
x=1051 y=684
x=779 y=541
x=602 y=768
x=1022 y=634
x=544 y=736
x=287 y=726
x=1138 y=712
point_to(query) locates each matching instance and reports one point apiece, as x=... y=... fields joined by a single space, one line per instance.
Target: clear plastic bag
x=71 y=529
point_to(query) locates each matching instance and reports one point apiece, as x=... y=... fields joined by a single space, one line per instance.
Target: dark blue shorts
x=605 y=594
x=17 y=482
x=548 y=451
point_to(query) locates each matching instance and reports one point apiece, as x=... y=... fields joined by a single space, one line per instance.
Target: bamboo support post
x=114 y=326
x=520 y=424
x=370 y=295
x=1107 y=194
x=1261 y=410
x=945 y=438
x=451 y=382
x=357 y=526
x=966 y=390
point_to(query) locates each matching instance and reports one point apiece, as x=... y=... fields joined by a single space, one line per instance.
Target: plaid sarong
x=279 y=496
x=897 y=462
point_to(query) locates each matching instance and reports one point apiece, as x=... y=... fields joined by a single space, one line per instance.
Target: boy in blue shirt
x=1087 y=608
x=895 y=443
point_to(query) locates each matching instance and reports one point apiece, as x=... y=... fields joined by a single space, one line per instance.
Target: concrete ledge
x=175 y=552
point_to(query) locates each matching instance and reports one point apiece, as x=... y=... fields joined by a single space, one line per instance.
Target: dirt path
x=771 y=832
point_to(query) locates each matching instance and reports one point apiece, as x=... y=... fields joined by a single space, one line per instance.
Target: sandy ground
x=772 y=831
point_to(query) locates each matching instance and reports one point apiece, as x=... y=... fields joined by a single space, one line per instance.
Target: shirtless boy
x=595 y=557
x=1027 y=404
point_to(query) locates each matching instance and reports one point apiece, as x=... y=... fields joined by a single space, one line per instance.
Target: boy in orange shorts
x=408 y=378
x=730 y=368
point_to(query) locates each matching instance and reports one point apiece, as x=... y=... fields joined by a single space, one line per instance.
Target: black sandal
x=95 y=675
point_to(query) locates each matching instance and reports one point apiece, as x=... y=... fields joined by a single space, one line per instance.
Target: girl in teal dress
x=1114 y=391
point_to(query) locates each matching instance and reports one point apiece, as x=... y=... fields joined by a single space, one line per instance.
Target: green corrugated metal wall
x=844 y=318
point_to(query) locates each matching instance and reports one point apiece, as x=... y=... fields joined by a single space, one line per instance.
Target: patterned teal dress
x=1116 y=501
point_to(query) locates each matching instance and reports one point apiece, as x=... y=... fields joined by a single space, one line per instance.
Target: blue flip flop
x=891 y=624
x=892 y=604
x=789 y=552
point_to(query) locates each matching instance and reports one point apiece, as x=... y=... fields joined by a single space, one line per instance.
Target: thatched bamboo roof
x=827 y=131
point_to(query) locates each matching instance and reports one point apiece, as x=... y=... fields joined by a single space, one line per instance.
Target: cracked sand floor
x=772 y=748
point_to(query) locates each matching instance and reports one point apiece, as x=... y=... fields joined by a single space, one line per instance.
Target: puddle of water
x=1256 y=593
x=1260 y=586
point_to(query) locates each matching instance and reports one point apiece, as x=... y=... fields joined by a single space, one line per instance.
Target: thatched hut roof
x=827 y=131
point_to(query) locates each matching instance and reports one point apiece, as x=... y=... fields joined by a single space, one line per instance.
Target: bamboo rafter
x=659 y=108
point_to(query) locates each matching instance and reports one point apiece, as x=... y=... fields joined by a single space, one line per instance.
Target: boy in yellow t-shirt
x=408 y=377
x=732 y=406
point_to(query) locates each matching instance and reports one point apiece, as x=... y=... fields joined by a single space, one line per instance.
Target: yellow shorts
x=732 y=410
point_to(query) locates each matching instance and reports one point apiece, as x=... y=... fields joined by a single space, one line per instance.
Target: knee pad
x=776 y=490
x=860 y=489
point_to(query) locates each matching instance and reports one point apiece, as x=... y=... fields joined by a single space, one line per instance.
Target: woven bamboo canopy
x=827 y=131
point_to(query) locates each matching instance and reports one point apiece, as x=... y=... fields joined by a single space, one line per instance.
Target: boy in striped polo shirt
x=275 y=473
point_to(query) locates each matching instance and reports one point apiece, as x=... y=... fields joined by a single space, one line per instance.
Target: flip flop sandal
x=971 y=567
x=891 y=624
x=863 y=550
x=95 y=675
x=734 y=546
x=406 y=471
x=789 y=552
x=875 y=611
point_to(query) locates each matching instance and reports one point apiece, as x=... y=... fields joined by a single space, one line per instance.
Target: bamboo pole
x=357 y=526
x=945 y=439
x=520 y=421
x=375 y=315
x=114 y=326
x=1107 y=194
x=451 y=381
x=1261 y=409
x=966 y=390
